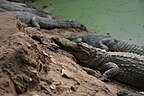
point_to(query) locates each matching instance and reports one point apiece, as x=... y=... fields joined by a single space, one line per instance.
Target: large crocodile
x=108 y=43
x=14 y=7
x=46 y=23
x=122 y=66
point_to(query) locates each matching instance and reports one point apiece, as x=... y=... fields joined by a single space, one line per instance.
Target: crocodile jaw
x=81 y=51
x=65 y=43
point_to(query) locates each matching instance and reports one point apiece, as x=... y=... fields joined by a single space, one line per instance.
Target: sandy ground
x=28 y=68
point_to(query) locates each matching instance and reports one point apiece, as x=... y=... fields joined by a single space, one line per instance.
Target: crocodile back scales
x=59 y=23
x=131 y=66
x=127 y=47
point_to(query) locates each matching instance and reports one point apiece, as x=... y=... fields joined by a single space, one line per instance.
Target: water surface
x=123 y=19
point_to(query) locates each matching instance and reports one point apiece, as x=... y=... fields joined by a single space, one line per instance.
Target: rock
x=34 y=94
x=66 y=73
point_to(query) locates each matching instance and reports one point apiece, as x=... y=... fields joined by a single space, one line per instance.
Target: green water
x=123 y=19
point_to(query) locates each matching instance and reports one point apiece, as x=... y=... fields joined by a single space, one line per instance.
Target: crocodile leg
x=111 y=70
x=34 y=23
x=106 y=43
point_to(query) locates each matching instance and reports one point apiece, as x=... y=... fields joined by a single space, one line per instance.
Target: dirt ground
x=28 y=68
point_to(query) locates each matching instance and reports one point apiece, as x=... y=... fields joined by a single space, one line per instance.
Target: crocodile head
x=81 y=51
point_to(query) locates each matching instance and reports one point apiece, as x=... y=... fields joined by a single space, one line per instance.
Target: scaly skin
x=125 y=67
x=128 y=93
x=46 y=23
x=13 y=3
x=13 y=7
x=109 y=43
x=2 y=10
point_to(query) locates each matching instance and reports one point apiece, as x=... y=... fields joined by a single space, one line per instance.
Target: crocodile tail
x=67 y=24
x=128 y=47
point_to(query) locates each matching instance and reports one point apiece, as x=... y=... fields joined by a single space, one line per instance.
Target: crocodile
x=2 y=10
x=128 y=93
x=23 y=1
x=46 y=23
x=108 y=43
x=14 y=7
x=13 y=3
x=122 y=66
